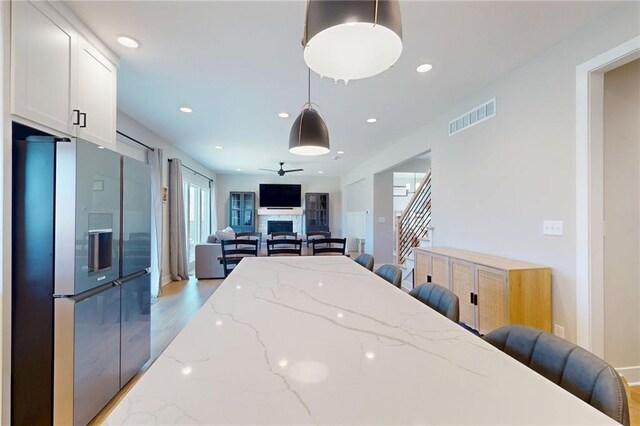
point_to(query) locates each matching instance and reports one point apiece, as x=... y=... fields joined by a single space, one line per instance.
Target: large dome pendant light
x=352 y=39
x=309 y=134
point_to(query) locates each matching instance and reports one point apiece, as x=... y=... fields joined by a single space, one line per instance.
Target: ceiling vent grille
x=473 y=117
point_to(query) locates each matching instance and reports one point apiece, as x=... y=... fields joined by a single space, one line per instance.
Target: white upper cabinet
x=43 y=58
x=96 y=96
x=59 y=80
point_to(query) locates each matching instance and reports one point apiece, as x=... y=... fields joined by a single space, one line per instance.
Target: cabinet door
x=493 y=309
x=96 y=96
x=421 y=270
x=439 y=270
x=462 y=284
x=43 y=59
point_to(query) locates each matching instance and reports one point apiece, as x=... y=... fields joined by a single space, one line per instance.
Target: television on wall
x=276 y=195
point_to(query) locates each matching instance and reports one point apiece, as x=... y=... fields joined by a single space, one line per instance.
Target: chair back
x=314 y=235
x=284 y=234
x=438 y=298
x=569 y=366
x=391 y=274
x=284 y=246
x=329 y=246
x=233 y=251
x=365 y=260
x=250 y=236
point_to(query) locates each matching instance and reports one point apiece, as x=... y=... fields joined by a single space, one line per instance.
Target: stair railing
x=415 y=219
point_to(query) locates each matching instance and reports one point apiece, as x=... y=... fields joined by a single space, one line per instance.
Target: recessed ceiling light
x=219 y=147
x=371 y=120
x=424 y=68
x=320 y=171
x=186 y=109
x=238 y=170
x=127 y=41
x=283 y=115
x=340 y=152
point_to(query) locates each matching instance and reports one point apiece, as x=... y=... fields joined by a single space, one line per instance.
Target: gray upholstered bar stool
x=365 y=260
x=438 y=298
x=569 y=366
x=391 y=274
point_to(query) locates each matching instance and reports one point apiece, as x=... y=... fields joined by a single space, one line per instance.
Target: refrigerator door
x=87 y=354
x=136 y=325
x=136 y=216
x=87 y=216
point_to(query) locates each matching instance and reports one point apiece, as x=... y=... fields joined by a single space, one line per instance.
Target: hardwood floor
x=170 y=313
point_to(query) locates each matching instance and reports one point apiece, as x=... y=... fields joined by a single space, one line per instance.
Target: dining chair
x=317 y=235
x=365 y=260
x=329 y=246
x=250 y=236
x=571 y=367
x=284 y=246
x=233 y=251
x=391 y=274
x=438 y=298
x=284 y=234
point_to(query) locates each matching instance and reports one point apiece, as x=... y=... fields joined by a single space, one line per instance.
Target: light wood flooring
x=170 y=313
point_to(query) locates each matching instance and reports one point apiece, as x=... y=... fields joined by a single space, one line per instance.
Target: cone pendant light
x=352 y=39
x=309 y=134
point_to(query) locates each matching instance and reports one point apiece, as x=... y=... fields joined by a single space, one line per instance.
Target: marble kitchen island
x=321 y=340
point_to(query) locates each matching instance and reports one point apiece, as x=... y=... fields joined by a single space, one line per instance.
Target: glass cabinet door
x=235 y=201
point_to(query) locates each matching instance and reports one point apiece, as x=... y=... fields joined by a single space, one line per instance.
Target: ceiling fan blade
x=269 y=170
x=294 y=170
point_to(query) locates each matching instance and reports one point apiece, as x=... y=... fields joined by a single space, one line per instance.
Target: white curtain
x=214 y=211
x=154 y=158
x=178 y=262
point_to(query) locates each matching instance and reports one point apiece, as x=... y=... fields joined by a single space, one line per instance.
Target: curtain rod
x=135 y=140
x=194 y=171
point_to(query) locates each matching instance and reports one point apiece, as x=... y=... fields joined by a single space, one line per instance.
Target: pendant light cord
x=309 y=86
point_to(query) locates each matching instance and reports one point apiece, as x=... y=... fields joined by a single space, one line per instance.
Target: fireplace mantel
x=292 y=211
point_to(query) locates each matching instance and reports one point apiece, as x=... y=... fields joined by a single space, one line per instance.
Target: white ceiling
x=239 y=63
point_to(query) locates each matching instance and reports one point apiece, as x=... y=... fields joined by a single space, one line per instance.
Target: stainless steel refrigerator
x=80 y=283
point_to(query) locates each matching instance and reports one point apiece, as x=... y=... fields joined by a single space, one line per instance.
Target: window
x=197 y=213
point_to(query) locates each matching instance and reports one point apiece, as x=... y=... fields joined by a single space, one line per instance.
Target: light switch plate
x=553 y=227
x=382 y=219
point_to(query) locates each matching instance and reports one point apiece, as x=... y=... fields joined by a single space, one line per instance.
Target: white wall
x=246 y=182
x=132 y=128
x=622 y=215
x=495 y=183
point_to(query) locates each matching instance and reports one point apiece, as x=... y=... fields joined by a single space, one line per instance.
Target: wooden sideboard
x=493 y=291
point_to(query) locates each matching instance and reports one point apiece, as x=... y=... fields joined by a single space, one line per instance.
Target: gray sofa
x=207 y=263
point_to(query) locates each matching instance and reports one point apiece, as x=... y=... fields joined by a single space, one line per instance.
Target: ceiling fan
x=282 y=172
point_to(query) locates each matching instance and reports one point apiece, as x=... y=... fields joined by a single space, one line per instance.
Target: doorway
x=590 y=193
x=622 y=219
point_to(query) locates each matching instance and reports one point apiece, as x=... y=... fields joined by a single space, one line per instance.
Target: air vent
x=473 y=117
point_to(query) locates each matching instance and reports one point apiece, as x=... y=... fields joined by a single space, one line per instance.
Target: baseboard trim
x=632 y=374
x=166 y=279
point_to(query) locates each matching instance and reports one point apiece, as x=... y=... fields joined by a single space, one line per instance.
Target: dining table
x=322 y=340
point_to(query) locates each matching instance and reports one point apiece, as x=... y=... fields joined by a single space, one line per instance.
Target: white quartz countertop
x=321 y=340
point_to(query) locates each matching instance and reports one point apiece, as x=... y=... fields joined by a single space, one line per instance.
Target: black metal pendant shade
x=309 y=134
x=352 y=39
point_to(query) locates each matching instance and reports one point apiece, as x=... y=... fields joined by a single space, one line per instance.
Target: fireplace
x=279 y=226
